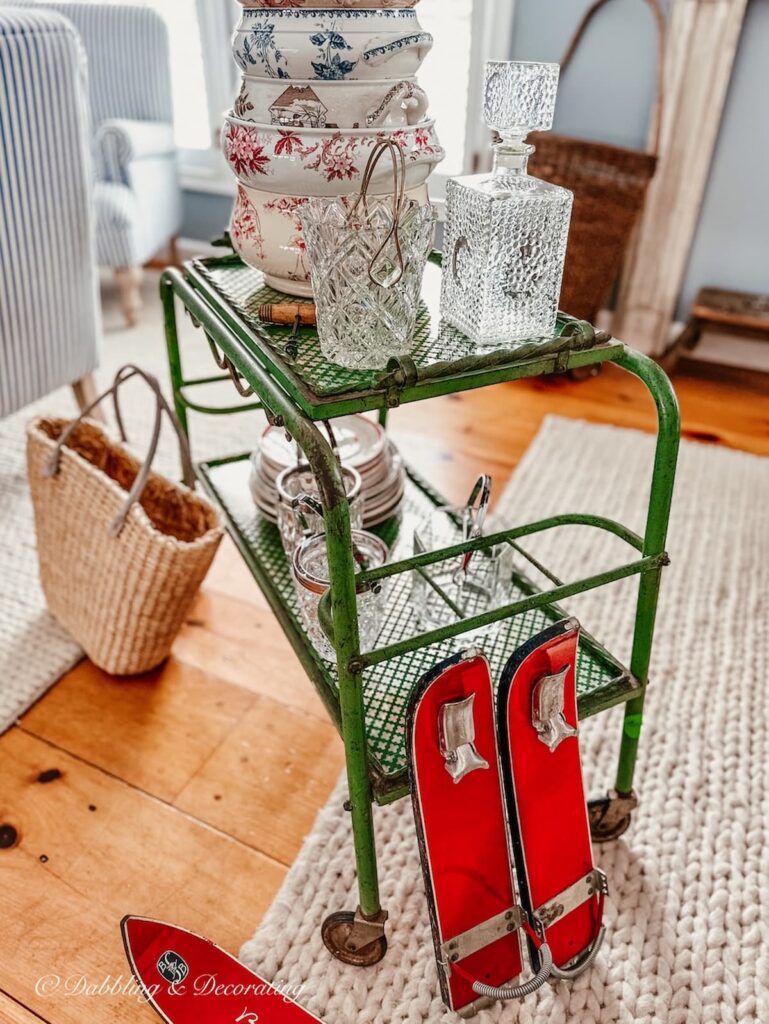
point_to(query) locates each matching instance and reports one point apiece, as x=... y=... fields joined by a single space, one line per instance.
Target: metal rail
x=538 y=600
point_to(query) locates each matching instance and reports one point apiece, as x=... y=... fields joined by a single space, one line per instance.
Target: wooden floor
x=186 y=794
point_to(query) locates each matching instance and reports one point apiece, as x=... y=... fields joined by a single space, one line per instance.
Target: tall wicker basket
x=122 y=550
x=609 y=185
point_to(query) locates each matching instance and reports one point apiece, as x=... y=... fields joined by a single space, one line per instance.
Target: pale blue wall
x=206 y=216
x=606 y=94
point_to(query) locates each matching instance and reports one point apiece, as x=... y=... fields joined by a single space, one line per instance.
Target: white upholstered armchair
x=137 y=197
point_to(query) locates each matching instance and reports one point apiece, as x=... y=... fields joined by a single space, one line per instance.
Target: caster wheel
x=339 y=937
x=603 y=834
x=610 y=816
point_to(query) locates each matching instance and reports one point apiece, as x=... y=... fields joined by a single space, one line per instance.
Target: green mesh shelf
x=244 y=289
x=322 y=389
x=601 y=680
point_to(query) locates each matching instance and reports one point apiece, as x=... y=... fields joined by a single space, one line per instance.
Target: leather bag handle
x=659 y=22
x=123 y=375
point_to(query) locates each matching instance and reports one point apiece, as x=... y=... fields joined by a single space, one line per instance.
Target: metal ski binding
x=456 y=728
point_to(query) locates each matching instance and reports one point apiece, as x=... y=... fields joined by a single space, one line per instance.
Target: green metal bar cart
x=367 y=694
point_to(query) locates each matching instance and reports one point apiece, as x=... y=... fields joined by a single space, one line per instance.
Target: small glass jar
x=312 y=580
x=445 y=592
x=298 y=480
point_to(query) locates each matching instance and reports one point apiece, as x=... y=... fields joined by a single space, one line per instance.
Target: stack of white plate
x=361 y=443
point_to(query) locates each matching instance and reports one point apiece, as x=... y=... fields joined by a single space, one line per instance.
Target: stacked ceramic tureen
x=321 y=86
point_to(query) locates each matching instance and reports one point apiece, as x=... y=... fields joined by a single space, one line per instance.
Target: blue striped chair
x=49 y=313
x=137 y=196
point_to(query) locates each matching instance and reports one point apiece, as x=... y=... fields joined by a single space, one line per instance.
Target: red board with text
x=189 y=980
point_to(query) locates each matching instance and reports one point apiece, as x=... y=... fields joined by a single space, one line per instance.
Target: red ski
x=189 y=980
x=459 y=811
x=559 y=884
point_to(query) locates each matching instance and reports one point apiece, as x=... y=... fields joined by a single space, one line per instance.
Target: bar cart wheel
x=610 y=815
x=355 y=939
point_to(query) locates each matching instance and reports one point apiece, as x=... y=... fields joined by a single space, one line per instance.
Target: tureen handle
x=405 y=96
x=378 y=52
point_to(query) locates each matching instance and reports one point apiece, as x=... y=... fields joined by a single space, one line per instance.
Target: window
x=213 y=22
x=467 y=33
x=193 y=131
x=445 y=75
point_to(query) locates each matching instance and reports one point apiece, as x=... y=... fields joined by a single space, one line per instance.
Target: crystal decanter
x=506 y=232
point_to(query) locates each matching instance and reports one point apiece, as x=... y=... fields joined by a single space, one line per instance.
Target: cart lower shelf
x=601 y=680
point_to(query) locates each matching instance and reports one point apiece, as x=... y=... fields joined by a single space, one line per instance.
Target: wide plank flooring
x=186 y=793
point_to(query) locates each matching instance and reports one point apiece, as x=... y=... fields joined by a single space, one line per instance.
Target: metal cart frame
x=297 y=393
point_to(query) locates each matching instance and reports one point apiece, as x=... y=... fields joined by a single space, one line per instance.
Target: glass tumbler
x=300 y=479
x=444 y=592
x=312 y=580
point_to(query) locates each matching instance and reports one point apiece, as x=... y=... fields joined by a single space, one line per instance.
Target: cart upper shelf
x=443 y=361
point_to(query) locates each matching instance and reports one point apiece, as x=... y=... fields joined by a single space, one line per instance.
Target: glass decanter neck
x=511 y=156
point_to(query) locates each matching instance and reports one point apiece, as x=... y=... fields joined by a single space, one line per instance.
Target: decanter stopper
x=519 y=97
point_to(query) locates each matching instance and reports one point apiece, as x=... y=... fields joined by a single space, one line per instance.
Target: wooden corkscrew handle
x=286 y=314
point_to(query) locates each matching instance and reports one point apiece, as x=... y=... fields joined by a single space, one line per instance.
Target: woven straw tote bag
x=609 y=185
x=122 y=550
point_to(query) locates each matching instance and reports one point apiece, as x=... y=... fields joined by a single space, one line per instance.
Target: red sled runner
x=188 y=980
x=463 y=808
x=560 y=887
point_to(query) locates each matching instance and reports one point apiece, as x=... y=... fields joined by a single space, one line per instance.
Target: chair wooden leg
x=128 y=281
x=173 y=252
x=85 y=392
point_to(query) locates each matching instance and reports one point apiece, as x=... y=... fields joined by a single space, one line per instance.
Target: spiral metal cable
x=520 y=991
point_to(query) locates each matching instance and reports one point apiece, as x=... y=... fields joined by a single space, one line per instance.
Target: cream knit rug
x=688 y=914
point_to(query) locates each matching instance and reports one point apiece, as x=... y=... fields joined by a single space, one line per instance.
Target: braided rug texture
x=688 y=911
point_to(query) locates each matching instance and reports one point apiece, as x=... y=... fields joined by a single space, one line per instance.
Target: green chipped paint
x=234 y=292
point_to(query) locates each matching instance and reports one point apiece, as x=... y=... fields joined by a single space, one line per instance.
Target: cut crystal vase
x=506 y=232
